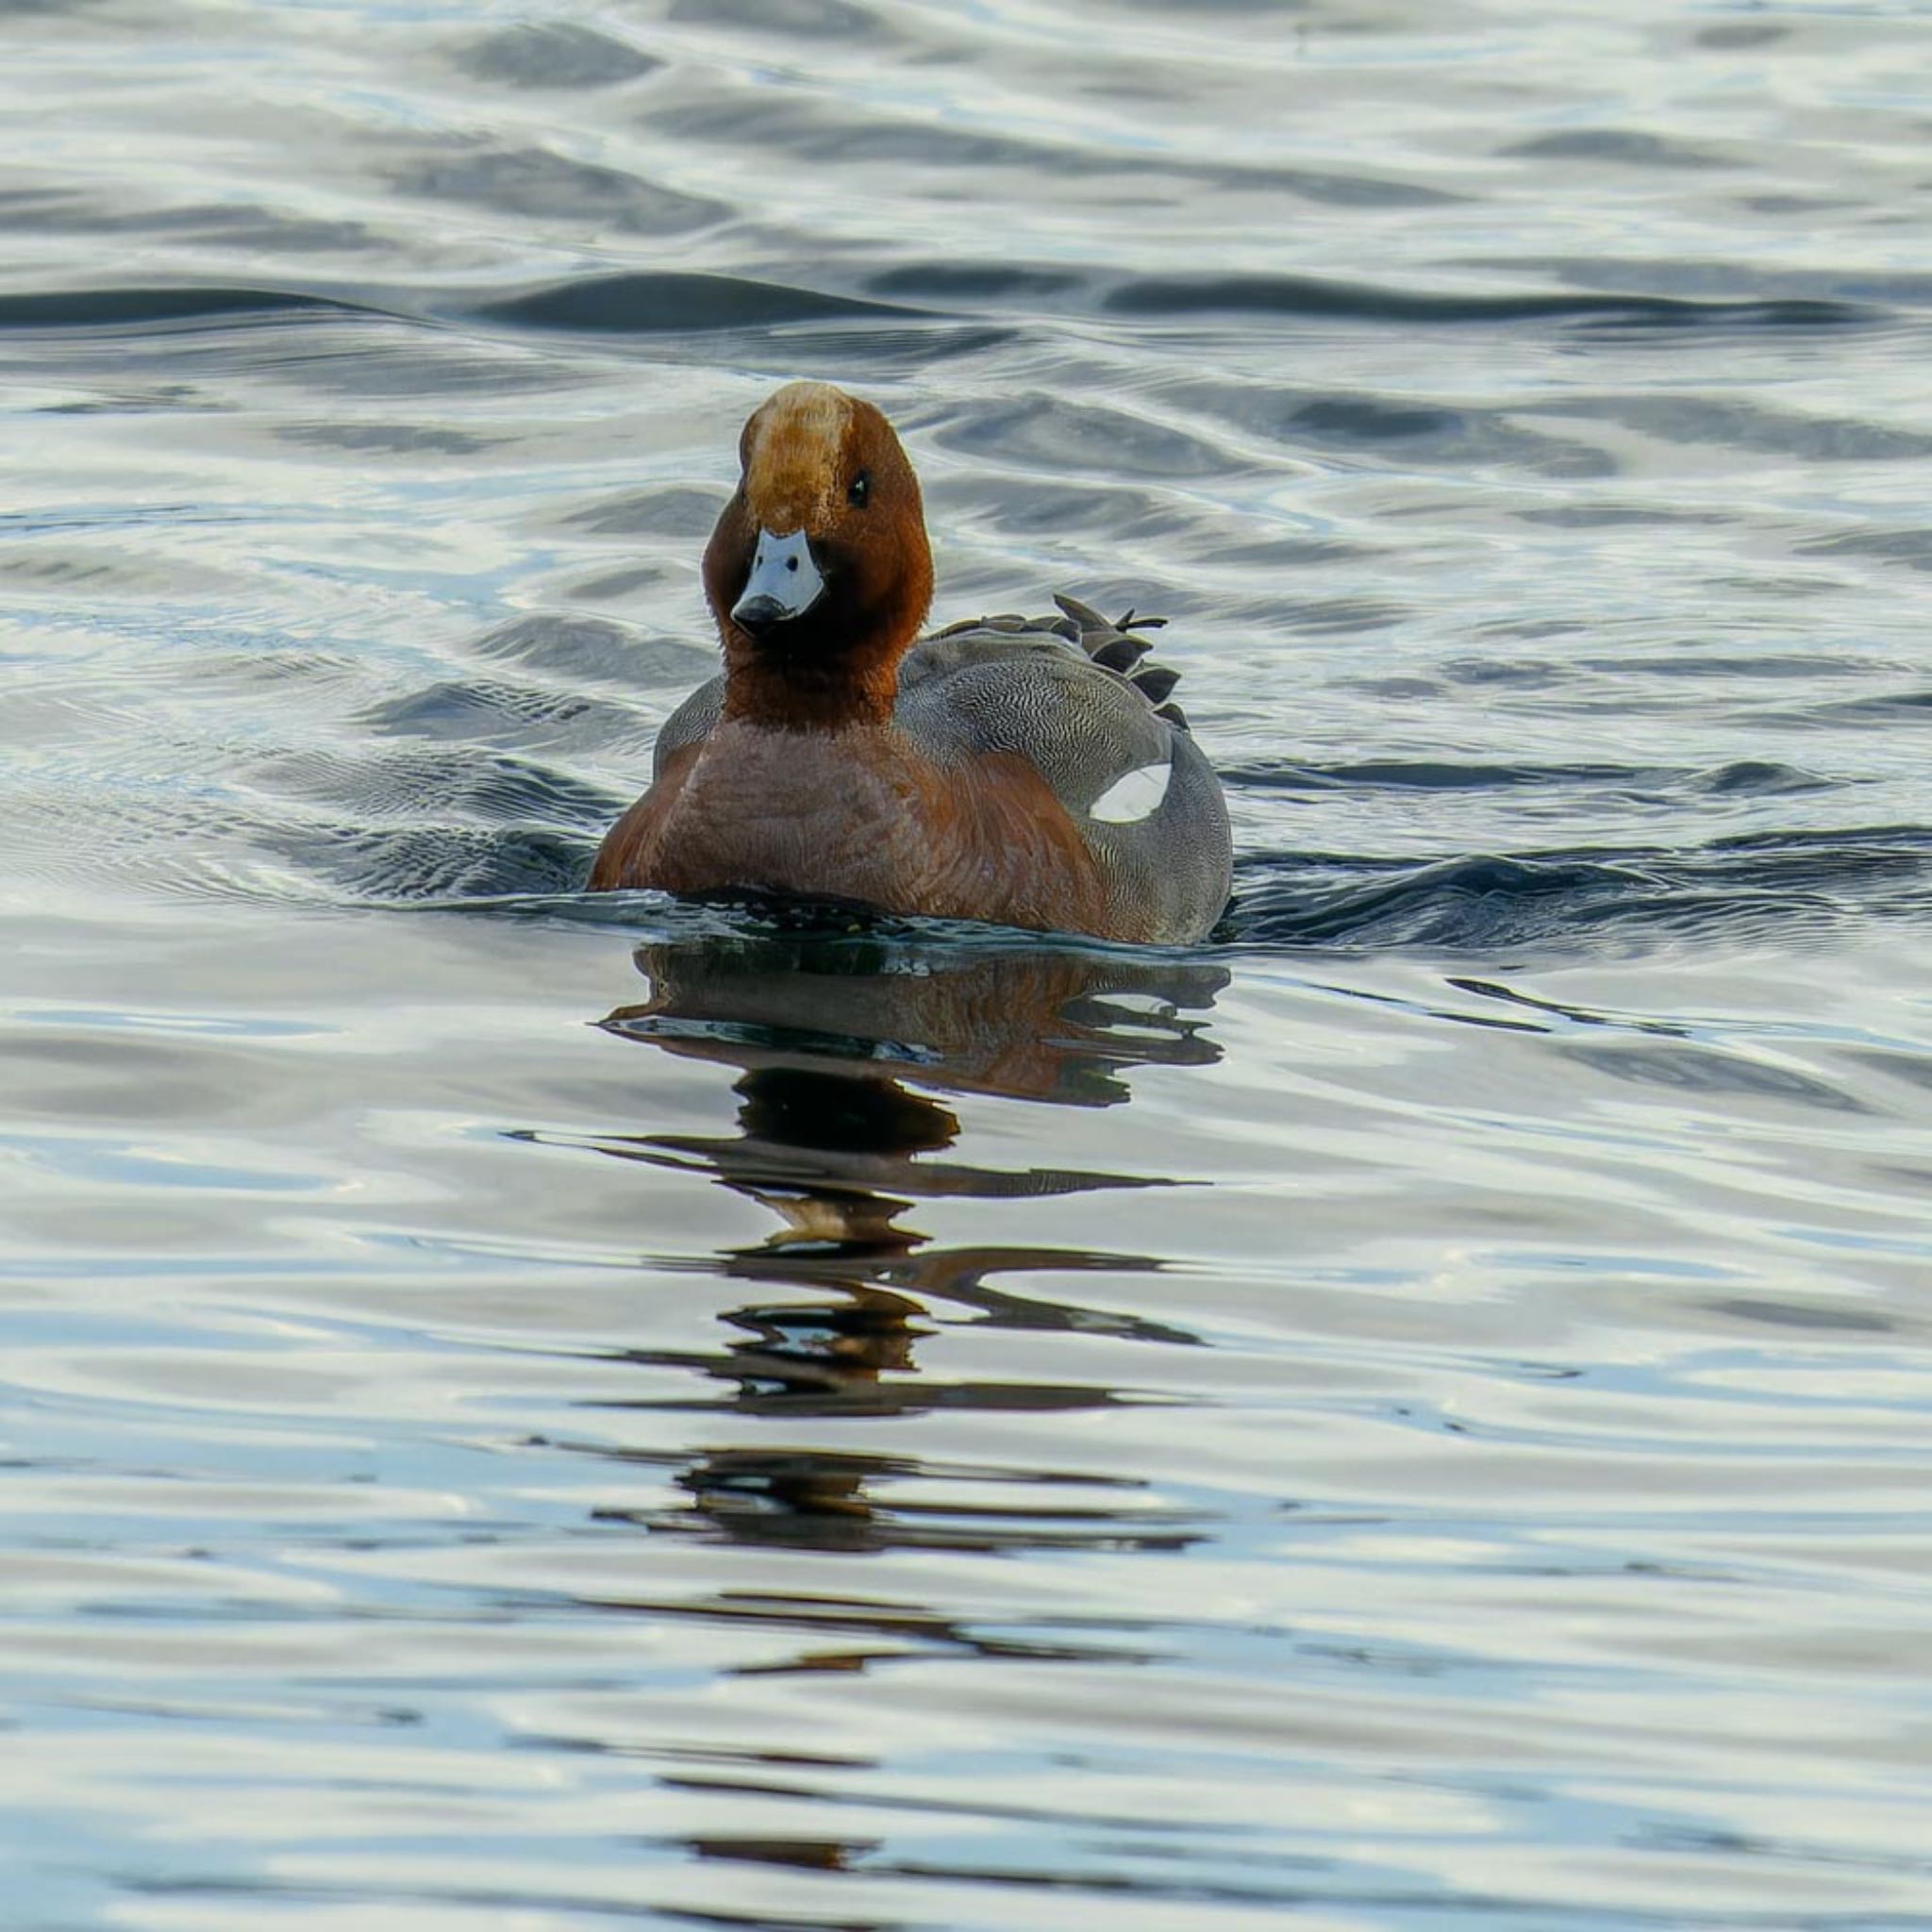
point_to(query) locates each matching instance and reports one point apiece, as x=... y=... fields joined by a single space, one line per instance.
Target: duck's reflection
x=832 y=1040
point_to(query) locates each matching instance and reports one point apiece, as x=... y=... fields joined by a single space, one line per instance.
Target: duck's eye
x=859 y=492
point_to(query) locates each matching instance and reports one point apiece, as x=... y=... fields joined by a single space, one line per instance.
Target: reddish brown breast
x=859 y=815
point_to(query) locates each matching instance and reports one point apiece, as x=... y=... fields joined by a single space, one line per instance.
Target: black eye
x=860 y=492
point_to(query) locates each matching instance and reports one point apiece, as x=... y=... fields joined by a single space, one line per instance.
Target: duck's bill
x=784 y=582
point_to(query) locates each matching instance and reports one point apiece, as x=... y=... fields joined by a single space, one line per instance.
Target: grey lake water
x=531 y=1412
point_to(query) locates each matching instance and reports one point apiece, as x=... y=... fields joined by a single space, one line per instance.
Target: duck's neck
x=797 y=690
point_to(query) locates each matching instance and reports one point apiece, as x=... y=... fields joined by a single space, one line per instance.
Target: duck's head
x=819 y=571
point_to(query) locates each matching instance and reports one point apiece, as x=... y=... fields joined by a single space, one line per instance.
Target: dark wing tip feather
x=1120 y=653
x=1156 y=682
x=1119 y=646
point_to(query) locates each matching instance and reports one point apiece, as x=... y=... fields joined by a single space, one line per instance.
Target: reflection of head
x=831 y=1039
x=841 y=1113
x=835 y=1034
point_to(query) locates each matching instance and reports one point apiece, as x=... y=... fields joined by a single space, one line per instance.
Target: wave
x=1758 y=886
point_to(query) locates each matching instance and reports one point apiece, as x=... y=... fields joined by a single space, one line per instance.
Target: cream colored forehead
x=793 y=464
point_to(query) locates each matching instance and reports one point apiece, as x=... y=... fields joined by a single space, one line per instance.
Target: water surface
x=535 y=1411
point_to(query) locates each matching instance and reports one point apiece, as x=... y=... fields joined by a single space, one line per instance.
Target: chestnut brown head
x=819 y=571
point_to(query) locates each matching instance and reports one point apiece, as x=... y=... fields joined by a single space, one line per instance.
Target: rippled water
x=530 y=1411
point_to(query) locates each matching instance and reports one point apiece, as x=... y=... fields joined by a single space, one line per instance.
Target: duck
x=1025 y=771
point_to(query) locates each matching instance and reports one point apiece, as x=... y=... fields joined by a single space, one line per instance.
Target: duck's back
x=1073 y=696
x=1070 y=696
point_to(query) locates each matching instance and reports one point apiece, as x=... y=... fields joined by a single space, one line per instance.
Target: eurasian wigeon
x=1023 y=771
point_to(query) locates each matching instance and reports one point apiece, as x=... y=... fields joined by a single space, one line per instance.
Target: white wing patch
x=1134 y=796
